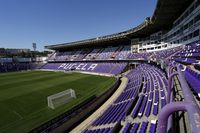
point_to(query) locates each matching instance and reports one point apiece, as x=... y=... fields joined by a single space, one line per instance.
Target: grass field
x=23 y=96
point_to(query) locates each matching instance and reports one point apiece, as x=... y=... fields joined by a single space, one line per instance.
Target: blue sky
x=45 y=22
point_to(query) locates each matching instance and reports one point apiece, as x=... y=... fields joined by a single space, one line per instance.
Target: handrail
x=189 y=105
x=170 y=84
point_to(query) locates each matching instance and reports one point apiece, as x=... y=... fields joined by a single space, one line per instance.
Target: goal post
x=60 y=98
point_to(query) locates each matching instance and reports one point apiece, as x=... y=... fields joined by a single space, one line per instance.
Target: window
x=190 y=23
x=185 y=38
x=196 y=33
x=190 y=36
x=182 y=39
x=197 y=18
x=185 y=26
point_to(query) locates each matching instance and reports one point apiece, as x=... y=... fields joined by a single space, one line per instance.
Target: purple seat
x=134 y=128
x=194 y=80
x=143 y=127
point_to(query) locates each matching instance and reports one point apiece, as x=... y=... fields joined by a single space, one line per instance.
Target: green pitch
x=23 y=96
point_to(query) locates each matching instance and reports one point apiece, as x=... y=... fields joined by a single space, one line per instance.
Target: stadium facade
x=159 y=64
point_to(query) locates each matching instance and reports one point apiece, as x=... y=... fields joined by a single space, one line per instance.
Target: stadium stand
x=141 y=95
x=173 y=57
x=108 y=68
x=193 y=78
x=161 y=60
x=189 y=55
x=10 y=67
x=114 y=53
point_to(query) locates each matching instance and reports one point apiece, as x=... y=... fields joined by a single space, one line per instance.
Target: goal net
x=60 y=98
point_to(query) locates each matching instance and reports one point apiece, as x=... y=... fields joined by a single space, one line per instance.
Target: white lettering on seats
x=92 y=67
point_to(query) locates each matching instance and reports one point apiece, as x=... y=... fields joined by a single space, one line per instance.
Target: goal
x=60 y=98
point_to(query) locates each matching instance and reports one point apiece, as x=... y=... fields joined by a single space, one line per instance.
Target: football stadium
x=143 y=80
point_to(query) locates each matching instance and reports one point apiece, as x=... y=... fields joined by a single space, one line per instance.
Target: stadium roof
x=166 y=12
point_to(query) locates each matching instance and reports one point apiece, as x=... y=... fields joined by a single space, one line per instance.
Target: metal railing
x=189 y=104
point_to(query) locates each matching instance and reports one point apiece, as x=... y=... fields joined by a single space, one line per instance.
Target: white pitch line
x=18 y=114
